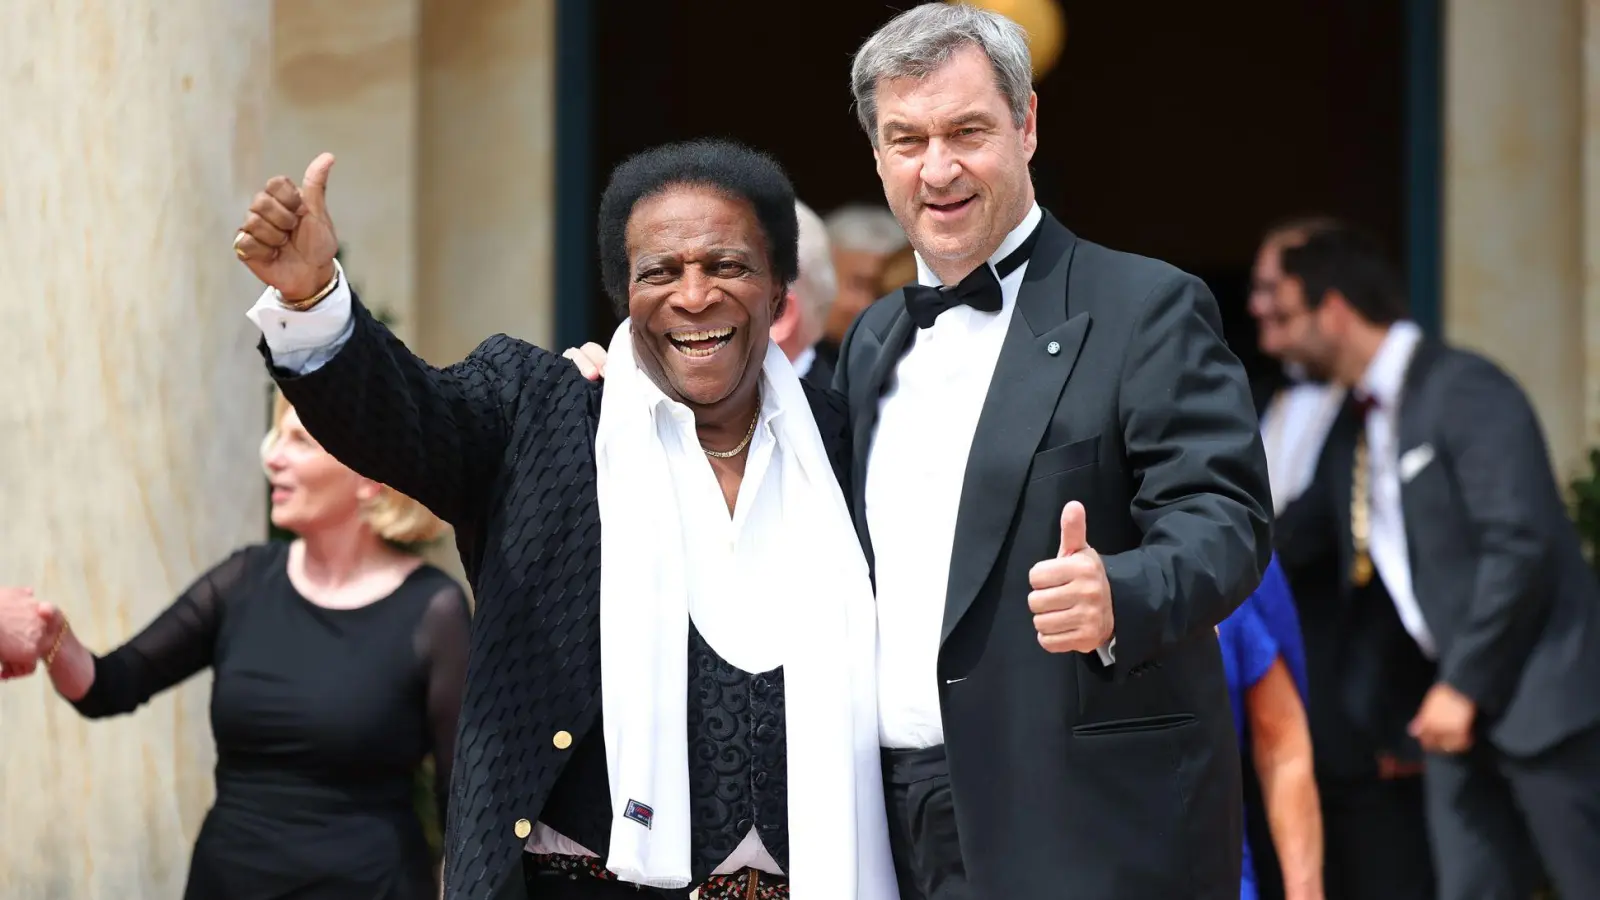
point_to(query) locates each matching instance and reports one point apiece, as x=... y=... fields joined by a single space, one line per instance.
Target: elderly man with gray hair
x=798 y=329
x=864 y=238
x=1061 y=728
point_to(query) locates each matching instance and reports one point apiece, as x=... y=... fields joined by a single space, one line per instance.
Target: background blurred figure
x=339 y=662
x=800 y=327
x=863 y=238
x=1295 y=412
x=1472 y=632
x=899 y=270
x=1266 y=669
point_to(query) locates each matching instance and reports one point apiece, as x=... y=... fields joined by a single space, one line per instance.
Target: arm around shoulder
x=1203 y=504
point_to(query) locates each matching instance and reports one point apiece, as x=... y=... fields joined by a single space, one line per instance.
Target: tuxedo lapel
x=1041 y=346
x=864 y=396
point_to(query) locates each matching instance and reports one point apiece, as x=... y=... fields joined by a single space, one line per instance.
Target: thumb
x=1074 y=529
x=314 y=187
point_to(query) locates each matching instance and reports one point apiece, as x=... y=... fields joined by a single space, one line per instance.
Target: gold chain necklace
x=749 y=433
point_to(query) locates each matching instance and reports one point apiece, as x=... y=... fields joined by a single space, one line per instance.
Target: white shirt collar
x=802 y=363
x=680 y=413
x=1013 y=241
x=1386 y=374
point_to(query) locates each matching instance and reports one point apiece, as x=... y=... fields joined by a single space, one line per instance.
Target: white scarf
x=826 y=625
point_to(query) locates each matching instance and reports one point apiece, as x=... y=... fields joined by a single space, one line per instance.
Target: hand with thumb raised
x=1071 y=598
x=287 y=239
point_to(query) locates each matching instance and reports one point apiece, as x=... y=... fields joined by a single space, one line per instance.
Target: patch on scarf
x=639 y=813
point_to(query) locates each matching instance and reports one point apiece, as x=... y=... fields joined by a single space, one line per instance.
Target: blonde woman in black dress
x=339 y=661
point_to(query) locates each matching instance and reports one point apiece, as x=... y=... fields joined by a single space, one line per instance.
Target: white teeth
x=712 y=335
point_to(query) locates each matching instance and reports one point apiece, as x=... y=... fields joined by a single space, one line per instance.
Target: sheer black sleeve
x=442 y=639
x=180 y=642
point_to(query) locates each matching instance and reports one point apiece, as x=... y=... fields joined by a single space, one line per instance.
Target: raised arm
x=1203 y=502
x=178 y=643
x=436 y=434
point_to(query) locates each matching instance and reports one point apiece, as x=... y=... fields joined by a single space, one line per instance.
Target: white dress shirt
x=802 y=363
x=728 y=556
x=1384 y=382
x=1294 y=427
x=927 y=418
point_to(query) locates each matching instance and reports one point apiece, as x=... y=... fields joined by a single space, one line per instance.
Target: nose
x=697 y=291
x=940 y=166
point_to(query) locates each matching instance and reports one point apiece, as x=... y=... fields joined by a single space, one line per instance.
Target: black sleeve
x=180 y=642
x=437 y=435
x=442 y=640
x=1202 y=502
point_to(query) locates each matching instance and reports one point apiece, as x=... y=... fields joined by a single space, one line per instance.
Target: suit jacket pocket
x=1133 y=726
x=1064 y=457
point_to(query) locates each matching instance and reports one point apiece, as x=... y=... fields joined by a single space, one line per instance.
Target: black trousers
x=1496 y=818
x=1375 y=840
x=922 y=826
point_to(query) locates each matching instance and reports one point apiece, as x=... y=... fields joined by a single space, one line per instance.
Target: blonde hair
x=394 y=516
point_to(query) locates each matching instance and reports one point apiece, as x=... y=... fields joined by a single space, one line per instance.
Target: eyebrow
x=657 y=257
x=972 y=118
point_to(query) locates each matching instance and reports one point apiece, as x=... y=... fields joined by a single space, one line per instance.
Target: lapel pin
x=1052 y=348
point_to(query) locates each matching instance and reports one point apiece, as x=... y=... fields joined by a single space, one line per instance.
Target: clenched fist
x=1071 y=598
x=287 y=239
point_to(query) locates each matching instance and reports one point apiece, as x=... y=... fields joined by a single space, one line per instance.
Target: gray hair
x=866 y=229
x=918 y=41
x=818 y=283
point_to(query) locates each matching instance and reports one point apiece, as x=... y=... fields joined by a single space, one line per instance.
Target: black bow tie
x=979 y=290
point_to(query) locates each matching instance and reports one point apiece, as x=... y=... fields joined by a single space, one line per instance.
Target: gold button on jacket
x=523 y=828
x=562 y=740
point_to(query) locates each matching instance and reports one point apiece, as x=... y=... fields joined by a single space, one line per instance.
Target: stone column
x=134 y=402
x=1514 y=201
x=486 y=168
x=345 y=81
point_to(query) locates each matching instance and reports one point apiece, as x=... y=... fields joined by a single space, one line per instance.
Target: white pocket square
x=1415 y=460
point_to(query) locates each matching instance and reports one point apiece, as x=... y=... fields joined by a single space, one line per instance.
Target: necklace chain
x=749 y=433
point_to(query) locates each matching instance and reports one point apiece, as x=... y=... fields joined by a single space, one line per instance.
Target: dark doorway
x=1173 y=129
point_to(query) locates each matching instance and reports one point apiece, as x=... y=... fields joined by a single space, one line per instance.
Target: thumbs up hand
x=287 y=239
x=1071 y=599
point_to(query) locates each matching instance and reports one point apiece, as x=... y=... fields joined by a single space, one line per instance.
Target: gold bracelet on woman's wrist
x=50 y=658
x=314 y=299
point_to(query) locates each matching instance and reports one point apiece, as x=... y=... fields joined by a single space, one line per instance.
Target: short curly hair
x=724 y=166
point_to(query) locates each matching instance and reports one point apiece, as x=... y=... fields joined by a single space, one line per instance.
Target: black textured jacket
x=501 y=446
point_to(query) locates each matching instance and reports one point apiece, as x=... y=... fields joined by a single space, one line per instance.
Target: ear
x=785 y=317
x=1030 y=126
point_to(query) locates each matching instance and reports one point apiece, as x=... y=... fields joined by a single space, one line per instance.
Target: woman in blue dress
x=1265 y=661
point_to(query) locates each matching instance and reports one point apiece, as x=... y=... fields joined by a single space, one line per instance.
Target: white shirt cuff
x=1108 y=653
x=303 y=342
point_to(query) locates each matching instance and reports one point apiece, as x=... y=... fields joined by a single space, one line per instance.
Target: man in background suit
x=1472 y=619
x=1375 y=833
x=799 y=328
x=1072 y=742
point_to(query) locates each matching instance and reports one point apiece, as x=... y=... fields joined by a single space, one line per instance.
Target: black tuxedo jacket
x=500 y=445
x=1113 y=387
x=1496 y=566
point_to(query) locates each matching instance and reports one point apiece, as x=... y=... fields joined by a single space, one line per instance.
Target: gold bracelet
x=50 y=658
x=314 y=299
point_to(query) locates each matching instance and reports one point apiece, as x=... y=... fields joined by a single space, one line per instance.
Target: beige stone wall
x=1518 y=265
x=137 y=131
x=134 y=402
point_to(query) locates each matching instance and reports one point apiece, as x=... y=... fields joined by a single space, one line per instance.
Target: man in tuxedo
x=799 y=328
x=1471 y=621
x=1037 y=396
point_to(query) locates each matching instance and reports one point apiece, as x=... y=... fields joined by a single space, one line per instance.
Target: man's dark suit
x=820 y=375
x=1513 y=609
x=500 y=445
x=1114 y=387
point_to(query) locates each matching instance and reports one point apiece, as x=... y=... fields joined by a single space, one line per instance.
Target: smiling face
x=310 y=489
x=702 y=294
x=953 y=163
